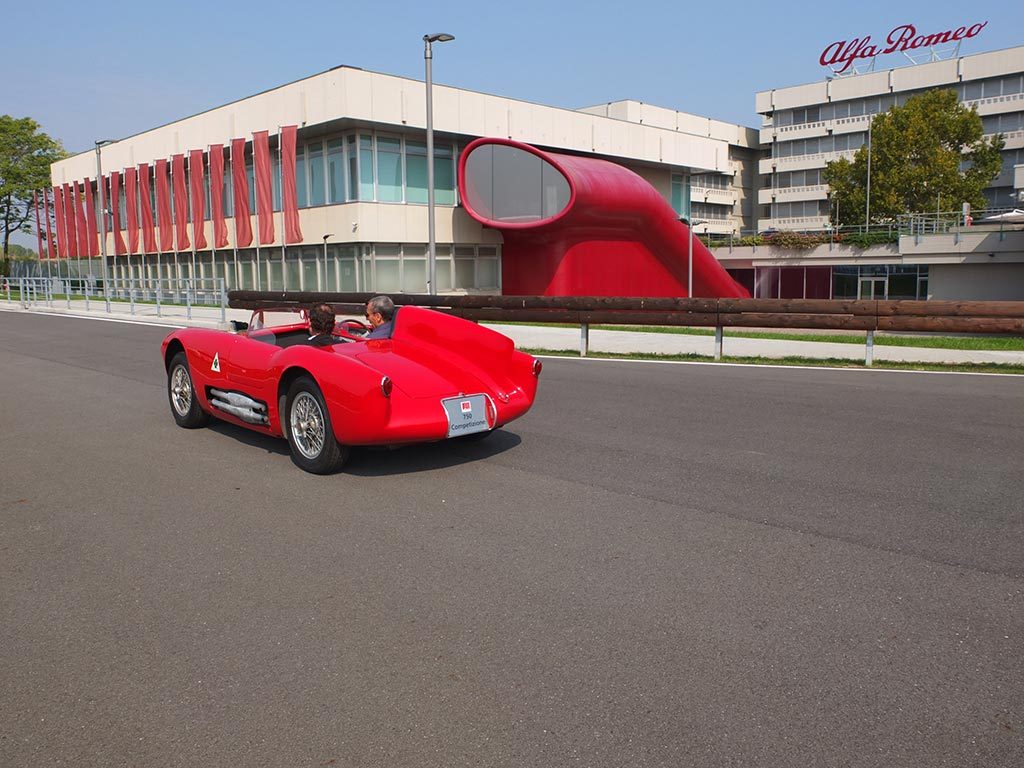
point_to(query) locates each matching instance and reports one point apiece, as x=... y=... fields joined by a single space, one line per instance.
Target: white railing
x=165 y=295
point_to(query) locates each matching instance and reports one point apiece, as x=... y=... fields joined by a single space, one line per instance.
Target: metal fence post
x=188 y=299
x=131 y=294
x=223 y=301
x=86 y=295
x=7 y=283
x=869 y=349
x=158 y=297
x=584 y=339
x=718 y=342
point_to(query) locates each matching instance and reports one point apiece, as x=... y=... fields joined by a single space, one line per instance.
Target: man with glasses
x=380 y=314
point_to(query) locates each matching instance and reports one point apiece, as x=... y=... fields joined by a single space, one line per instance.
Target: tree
x=932 y=149
x=25 y=157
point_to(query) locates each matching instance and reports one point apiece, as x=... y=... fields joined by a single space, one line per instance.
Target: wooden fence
x=976 y=317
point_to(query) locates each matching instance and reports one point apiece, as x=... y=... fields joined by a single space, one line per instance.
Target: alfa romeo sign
x=842 y=55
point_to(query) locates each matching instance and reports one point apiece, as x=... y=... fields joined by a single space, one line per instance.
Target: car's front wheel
x=308 y=429
x=182 y=395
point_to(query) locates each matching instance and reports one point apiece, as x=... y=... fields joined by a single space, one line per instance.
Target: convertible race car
x=437 y=377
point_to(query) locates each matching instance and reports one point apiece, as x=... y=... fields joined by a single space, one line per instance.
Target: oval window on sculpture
x=506 y=184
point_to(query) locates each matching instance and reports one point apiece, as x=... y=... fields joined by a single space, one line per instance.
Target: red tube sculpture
x=579 y=226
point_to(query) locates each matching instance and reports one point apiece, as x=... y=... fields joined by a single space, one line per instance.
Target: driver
x=321 y=326
x=380 y=313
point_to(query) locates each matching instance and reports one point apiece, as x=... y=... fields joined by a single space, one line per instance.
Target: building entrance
x=872 y=288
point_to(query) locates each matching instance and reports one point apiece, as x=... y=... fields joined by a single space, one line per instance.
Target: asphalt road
x=660 y=565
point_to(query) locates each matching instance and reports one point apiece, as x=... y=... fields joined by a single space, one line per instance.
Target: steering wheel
x=355 y=326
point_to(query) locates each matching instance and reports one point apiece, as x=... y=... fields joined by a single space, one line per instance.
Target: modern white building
x=806 y=126
x=361 y=177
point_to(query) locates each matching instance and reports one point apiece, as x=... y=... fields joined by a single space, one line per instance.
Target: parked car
x=437 y=377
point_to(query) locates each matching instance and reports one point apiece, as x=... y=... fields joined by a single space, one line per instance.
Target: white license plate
x=466 y=415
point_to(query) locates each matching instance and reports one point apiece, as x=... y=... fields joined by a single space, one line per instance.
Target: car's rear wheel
x=182 y=395
x=308 y=428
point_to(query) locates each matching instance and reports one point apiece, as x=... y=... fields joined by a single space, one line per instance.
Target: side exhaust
x=240 y=406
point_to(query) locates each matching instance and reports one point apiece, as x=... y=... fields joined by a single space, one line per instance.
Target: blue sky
x=107 y=70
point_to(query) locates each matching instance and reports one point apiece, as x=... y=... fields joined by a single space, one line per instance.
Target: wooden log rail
x=1001 y=317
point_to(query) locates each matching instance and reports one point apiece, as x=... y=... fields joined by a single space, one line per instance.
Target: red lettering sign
x=842 y=55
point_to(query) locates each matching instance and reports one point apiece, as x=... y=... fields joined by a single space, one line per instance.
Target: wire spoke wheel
x=181 y=390
x=307 y=423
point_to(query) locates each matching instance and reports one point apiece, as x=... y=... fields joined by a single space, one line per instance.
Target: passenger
x=380 y=313
x=321 y=326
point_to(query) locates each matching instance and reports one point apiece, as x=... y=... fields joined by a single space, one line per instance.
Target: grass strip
x=833 y=362
x=992 y=343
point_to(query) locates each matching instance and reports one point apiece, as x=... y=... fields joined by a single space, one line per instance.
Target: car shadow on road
x=382 y=461
x=424 y=457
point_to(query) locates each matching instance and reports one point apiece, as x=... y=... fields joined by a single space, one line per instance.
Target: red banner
x=240 y=188
x=81 y=231
x=131 y=209
x=264 y=199
x=289 y=197
x=39 y=225
x=163 y=207
x=220 y=226
x=69 y=221
x=92 y=246
x=51 y=251
x=115 y=212
x=58 y=218
x=180 y=202
x=146 y=210
x=196 y=182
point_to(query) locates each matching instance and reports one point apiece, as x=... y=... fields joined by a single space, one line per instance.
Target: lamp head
x=438 y=37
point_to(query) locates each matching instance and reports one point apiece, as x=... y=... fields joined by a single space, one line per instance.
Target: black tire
x=182 y=395
x=307 y=425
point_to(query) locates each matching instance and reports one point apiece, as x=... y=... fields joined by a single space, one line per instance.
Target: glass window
x=275 y=181
x=993 y=87
x=1011 y=84
x=317 y=187
x=415 y=172
x=365 y=167
x=826 y=111
x=973 y=91
x=842 y=109
x=352 y=190
x=226 y=197
x=465 y=274
x=389 y=170
x=487 y=273
x=388 y=278
x=252 y=184
x=300 y=178
x=414 y=275
x=336 y=171
x=444 y=175
x=510 y=184
x=310 y=257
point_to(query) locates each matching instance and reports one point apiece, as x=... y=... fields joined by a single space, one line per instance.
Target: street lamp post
x=689 y=271
x=438 y=37
x=329 y=234
x=103 y=218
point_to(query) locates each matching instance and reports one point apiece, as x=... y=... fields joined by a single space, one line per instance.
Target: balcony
x=798 y=223
x=789 y=194
x=713 y=195
x=793 y=132
x=996 y=105
x=802 y=162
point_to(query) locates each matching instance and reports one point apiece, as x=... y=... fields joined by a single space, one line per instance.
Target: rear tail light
x=537 y=365
x=386 y=386
x=492 y=413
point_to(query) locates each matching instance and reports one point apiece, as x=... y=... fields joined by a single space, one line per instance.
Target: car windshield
x=277 y=318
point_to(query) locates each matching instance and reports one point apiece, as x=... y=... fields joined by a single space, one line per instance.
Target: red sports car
x=436 y=377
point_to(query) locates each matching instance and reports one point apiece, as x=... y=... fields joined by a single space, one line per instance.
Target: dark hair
x=382 y=304
x=321 y=318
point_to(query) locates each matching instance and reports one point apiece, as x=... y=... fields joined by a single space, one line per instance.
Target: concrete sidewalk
x=557 y=339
